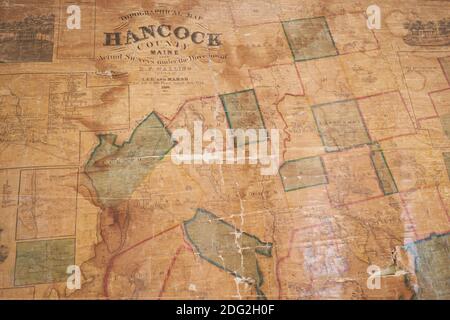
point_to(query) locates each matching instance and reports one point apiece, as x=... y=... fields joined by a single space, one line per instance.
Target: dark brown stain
x=4 y=253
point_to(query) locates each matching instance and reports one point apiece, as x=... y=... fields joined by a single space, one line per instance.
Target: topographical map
x=102 y=102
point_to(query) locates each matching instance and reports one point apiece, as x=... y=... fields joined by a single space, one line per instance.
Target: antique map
x=224 y=149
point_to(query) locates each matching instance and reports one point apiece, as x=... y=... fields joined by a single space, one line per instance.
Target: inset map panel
x=340 y=125
x=309 y=38
x=44 y=261
x=302 y=173
x=26 y=35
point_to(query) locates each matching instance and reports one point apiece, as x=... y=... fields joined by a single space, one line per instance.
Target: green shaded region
x=445 y=121
x=242 y=110
x=447 y=162
x=116 y=170
x=43 y=261
x=340 y=125
x=309 y=38
x=302 y=173
x=228 y=248
x=384 y=175
x=432 y=257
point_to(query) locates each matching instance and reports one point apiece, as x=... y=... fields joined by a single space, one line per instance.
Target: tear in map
x=228 y=248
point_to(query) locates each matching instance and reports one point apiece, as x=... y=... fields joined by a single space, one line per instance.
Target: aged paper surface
x=352 y=98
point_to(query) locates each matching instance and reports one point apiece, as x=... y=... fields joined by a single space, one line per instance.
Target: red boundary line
x=111 y=261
